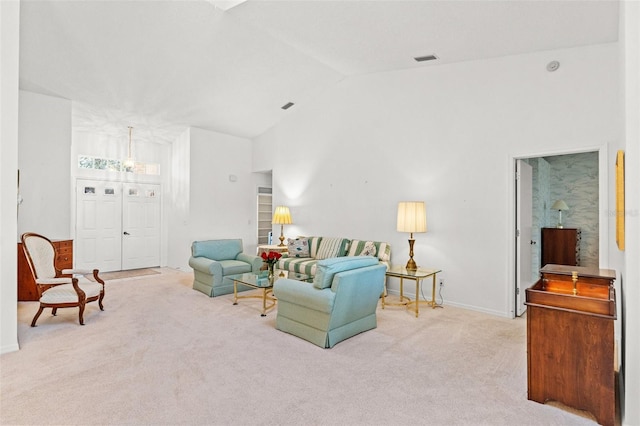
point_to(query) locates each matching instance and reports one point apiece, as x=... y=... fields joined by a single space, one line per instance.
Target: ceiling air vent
x=287 y=105
x=425 y=58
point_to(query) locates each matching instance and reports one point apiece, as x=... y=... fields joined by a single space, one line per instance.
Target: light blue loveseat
x=340 y=303
x=213 y=260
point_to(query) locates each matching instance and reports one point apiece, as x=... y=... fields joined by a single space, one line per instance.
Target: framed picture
x=620 y=199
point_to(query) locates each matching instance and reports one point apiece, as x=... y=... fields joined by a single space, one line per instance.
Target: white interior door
x=140 y=226
x=524 y=212
x=98 y=225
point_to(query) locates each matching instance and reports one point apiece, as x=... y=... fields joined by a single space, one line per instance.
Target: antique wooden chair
x=58 y=288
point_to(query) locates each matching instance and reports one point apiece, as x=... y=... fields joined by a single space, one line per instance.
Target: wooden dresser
x=560 y=246
x=27 y=290
x=570 y=339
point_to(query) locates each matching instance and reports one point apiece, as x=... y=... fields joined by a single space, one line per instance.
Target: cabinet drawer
x=64 y=251
x=64 y=254
x=64 y=262
x=66 y=244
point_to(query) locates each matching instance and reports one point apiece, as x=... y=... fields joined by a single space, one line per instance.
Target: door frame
x=603 y=197
x=524 y=239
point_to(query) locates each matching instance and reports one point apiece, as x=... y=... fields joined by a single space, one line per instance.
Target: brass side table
x=417 y=276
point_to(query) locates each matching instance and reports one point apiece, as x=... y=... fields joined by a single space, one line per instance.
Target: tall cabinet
x=560 y=246
x=570 y=339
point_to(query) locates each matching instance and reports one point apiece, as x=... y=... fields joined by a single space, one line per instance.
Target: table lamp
x=412 y=217
x=559 y=205
x=281 y=217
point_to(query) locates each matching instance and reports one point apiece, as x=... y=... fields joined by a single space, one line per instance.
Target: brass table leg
x=235 y=292
x=264 y=303
x=417 y=296
x=433 y=293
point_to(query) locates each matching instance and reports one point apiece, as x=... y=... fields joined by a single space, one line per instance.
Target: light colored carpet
x=118 y=275
x=162 y=353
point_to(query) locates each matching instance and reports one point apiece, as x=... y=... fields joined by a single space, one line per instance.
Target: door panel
x=141 y=226
x=524 y=213
x=98 y=225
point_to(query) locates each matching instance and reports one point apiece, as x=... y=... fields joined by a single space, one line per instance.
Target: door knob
x=126 y=233
x=532 y=242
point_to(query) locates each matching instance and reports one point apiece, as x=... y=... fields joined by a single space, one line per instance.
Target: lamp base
x=282 y=244
x=559 y=225
x=411 y=265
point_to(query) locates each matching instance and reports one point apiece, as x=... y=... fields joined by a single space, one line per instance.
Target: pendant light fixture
x=129 y=162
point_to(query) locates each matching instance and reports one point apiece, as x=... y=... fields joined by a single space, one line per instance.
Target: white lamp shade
x=559 y=205
x=281 y=216
x=412 y=216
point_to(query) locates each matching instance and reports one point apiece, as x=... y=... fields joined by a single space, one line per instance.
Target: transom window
x=111 y=165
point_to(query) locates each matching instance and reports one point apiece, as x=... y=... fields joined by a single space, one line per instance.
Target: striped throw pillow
x=332 y=247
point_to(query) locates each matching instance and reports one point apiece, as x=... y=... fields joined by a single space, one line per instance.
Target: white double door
x=117 y=225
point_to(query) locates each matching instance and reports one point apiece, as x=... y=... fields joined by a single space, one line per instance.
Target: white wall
x=9 y=35
x=45 y=167
x=630 y=34
x=179 y=238
x=217 y=206
x=446 y=135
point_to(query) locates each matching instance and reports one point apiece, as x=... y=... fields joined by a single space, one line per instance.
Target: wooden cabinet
x=27 y=290
x=570 y=339
x=560 y=246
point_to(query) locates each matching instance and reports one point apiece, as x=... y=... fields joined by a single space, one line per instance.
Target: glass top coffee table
x=261 y=281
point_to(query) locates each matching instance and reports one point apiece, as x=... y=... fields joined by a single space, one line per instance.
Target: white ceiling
x=170 y=64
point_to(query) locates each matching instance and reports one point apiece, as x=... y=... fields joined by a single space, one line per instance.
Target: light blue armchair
x=213 y=260
x=340 y=303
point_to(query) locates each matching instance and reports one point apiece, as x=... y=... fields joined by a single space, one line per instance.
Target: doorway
x=117 y=225
x=579 y=179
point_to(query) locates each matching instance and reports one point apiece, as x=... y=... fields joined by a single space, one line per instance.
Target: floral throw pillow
x=369 y=249
x=298 y=247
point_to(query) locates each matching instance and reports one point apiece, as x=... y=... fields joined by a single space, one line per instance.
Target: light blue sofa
x=213 y=260
x=340 y=303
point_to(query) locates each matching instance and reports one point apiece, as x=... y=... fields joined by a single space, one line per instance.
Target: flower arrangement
x=270 y=259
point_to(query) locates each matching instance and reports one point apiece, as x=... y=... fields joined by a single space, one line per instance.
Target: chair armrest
x=354 y=281
x=53 y=281
x=84 y=272
x=76 y=271
x=254 y=261
x=357 y=292
x=208 y=266
x=304 y=294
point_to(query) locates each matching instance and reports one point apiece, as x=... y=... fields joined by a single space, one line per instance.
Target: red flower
x=270 y=257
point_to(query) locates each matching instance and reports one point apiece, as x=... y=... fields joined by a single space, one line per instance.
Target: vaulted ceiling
x=193 y=63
